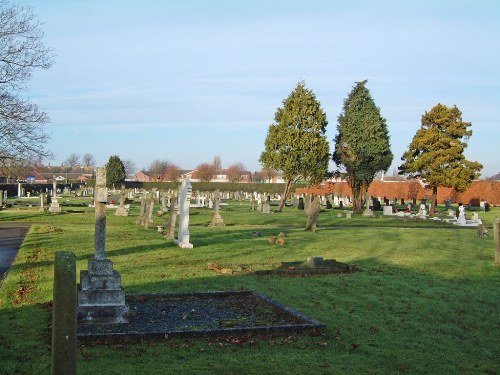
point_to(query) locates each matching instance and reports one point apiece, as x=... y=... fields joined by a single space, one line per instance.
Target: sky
x=184 y=81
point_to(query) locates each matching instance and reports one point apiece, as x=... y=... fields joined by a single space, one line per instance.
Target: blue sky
x=187 y=80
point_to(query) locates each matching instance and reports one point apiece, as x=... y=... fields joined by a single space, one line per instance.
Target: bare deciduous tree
x=21 y=122
x=72 y=161
x=157 y=167
x=88 y=160
x=217 y=163
x=130 y=167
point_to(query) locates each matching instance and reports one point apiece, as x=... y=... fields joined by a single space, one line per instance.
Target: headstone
x=300 y=206
x=1 y=199
x=348 y=214
x=341 y=205
x=19 y=190
x=314 y=261
x=461 y=216
x=447 y=204
x=184 y=203
x=475 y=217
x=54 y=205
x=142 y=213
x=42 y=202
x=376 y=205
x=328 y=204
x=100 y=296
x=163 y=201
x=367 y=212
x=295 y=202
x=210 y=203
x=486 y=207
x=172 y=217
x=121 y=210
x=496 y=239
x=217 y=220
x=148 y=217
x=266 y=208
x=387 y=210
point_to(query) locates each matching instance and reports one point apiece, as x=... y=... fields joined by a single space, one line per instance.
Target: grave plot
x=314 y=265
x=161 y=316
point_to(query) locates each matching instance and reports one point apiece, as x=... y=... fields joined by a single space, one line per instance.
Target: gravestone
x=184 y=203
x=348 y=214
x=100 y=296
x=148 y=217
x=1 y=199
x=314 y=261
x=142 y=213
x=387 y=210
x=376 y=205
x=172 y=217
x=300 y=205
x=367 y=212
x=54 y=205
x=447 y=204
x=328 y=204
x=295 y=202
x=217 y=220
x=42 y=202
x=266 y=208
x=461 y=216
x=121 y=210
x=163 y=201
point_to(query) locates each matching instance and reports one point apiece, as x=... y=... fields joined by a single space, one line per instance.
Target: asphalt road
x=11 y=237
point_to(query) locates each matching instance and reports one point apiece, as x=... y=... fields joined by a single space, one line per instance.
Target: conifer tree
x=362 y=145
x=436 y=152
x=115 y=171
x=296 y=143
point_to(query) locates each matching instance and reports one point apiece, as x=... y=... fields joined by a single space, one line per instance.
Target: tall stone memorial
x=100 y=296
x=54 y=203
x=184 y=203
x=217 y=220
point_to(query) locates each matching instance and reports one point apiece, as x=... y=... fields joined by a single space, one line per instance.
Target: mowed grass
x=425 y=301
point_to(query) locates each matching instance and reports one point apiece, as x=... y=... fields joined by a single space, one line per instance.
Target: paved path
x=11 y=237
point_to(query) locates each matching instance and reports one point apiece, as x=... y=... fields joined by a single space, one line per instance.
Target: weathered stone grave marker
x=100 y=296
x=184 y=203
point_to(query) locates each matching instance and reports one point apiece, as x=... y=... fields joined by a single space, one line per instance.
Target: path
x=11 y=237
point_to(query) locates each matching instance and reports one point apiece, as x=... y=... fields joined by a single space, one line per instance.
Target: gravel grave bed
x=200 y=314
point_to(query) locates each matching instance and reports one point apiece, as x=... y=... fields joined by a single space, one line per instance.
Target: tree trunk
x=313 y=213
x=359 y=190
x=433 y=201
x=286 y=194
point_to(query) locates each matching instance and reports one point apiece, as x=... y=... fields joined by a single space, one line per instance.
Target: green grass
x=425 y=301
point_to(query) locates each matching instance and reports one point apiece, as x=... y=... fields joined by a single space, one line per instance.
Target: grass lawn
x=426 y=299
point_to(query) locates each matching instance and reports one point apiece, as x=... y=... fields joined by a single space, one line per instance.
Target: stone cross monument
x=184 y=202
x=217 y=220
x=100 y=296
x=54 y=203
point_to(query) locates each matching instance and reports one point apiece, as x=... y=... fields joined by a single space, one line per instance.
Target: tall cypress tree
x=362 y=145
x=436 y=152
x=115 y=170
x=296 y=143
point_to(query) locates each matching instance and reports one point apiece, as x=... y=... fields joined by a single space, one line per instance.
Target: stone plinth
x=54 y=206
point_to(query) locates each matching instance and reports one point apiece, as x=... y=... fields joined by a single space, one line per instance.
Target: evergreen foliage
x=362 y=145
x=436 y=152
x=296 y=142
x=115 y=171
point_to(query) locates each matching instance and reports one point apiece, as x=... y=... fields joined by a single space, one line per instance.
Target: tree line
x=297 y=145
